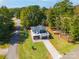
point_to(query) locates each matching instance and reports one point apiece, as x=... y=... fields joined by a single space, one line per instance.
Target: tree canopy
x=6 y=24
x=61 y=17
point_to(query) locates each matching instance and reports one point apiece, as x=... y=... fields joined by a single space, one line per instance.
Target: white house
x=39 y=32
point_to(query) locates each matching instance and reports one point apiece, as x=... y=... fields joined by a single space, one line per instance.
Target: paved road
x=12 y=51
x=73 y=55
x=54 y=53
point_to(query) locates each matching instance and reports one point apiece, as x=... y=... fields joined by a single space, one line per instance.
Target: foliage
x=76 y=9
x=74 y=28
x=63 y=18
x=51 y=18
x=6 y=24
x=60 y=17
x=32 y=16
x=63 y=7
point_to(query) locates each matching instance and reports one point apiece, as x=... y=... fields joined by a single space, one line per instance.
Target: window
x=43 y=31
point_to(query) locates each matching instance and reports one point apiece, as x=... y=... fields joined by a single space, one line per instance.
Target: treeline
x=61 y=16
x=6 y=24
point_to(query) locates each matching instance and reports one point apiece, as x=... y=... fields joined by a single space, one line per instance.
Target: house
x=39 y=32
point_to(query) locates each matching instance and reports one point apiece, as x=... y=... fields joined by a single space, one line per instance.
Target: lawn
x=3 y=46
x=2 y=57
x=26 y=50
x=62 y=46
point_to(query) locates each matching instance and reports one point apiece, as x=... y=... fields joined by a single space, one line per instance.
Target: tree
x=63 y=10
x=63 y=7
x=51 y=18
x=32 y=16
x=74 y=27
x=6 y=24
x=65 y=22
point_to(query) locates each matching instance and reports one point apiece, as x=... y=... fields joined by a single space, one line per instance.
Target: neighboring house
x=39 y=32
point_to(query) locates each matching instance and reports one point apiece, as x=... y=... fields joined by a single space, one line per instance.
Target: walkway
x=54 y=53
x=73 y=55
x=12 y=51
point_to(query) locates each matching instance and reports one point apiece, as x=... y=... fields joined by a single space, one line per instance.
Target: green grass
x=4 y=46
x=62 y=46
x=2 y=57
x=26 y=52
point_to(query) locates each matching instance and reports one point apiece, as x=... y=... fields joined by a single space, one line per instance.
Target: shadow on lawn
x=76 y=42
x=23 y=37
x=50 y=36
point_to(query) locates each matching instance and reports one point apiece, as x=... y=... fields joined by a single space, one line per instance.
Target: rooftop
x=38 y=29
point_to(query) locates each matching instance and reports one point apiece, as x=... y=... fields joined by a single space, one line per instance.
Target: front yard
x=30 y=50
x=2 y=57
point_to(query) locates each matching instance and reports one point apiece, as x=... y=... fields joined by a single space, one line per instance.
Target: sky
x=23 y=3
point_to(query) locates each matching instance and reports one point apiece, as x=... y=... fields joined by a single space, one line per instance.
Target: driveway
x=54 y=53
x=12 y=51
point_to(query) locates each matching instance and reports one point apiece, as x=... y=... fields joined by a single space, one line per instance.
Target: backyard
x=30 y=50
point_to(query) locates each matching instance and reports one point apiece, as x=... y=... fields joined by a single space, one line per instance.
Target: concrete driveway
x=54 y=53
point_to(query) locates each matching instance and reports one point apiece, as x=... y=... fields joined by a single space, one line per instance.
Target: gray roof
x=37 y=29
